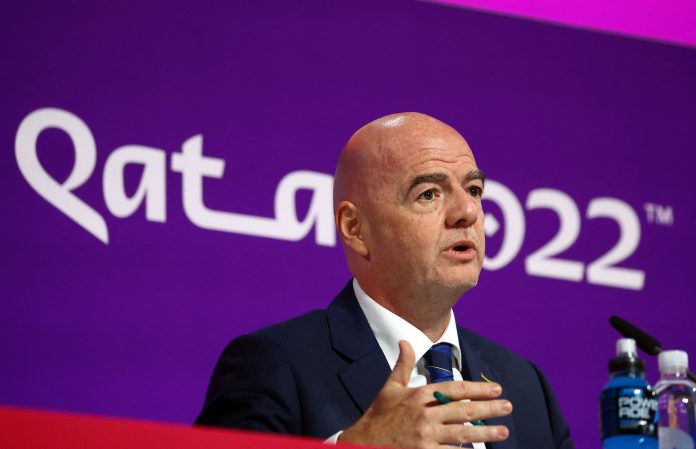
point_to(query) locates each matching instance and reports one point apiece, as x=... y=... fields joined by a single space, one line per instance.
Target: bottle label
x=628 y=411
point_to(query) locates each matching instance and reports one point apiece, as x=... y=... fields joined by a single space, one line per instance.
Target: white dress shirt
x=390 y=328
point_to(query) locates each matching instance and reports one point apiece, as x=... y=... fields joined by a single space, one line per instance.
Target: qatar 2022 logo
x=194 y=166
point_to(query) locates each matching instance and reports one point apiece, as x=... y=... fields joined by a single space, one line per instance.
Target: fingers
x=459 y=412
x=458 y=433
x=458 y=390
x=404 y=365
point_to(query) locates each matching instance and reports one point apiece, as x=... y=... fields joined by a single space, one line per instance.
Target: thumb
x=401 y=373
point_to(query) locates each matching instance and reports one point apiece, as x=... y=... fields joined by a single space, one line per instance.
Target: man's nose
x=463 y=209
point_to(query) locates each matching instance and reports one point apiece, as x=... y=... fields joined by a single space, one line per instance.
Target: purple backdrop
x=559 y=119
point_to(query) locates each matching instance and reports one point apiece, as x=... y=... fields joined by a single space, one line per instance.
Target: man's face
x=424 y=211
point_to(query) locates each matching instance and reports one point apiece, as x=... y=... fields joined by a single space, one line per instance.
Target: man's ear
x=351 y=228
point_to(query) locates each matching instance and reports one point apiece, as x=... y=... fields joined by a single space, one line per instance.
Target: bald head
x=377 y=145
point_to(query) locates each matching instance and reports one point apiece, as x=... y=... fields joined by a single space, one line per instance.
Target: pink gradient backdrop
x=667 y=21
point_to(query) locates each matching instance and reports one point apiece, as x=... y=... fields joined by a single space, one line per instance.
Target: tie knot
x=444 y=348
x=438 y=362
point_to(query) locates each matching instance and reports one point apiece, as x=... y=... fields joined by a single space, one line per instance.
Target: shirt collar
x=389 y=328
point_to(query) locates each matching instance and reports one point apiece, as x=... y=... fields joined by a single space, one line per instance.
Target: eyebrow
x=476 y=174
x=436 y=178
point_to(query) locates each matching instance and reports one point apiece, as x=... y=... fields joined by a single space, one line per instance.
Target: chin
x=467 y=285
x=455 y=280
x=470 y=284
x=463 y=281
x=459 y=285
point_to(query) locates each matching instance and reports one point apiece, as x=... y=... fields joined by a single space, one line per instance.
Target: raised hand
x=411 y=417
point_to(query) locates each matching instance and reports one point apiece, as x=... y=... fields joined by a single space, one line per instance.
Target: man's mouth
x=462 y=251
x=463 y=246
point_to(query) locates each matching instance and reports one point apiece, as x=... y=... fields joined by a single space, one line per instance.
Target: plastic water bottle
x=628 y=404
x=676 y=395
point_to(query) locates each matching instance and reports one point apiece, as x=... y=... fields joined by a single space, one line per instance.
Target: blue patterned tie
x=438 y=362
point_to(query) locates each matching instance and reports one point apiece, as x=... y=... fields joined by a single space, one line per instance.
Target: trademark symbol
x=659 y=214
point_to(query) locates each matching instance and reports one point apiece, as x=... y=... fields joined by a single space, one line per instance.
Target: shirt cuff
x=333 y=439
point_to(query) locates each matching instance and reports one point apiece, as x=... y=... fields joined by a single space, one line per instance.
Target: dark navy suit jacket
x=318 y=373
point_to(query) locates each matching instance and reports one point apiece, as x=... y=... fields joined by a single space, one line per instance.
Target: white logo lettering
x=513 y=215
x=152 y=186
x=286 y=225
x=151 y=190
x=60 y=195
x=193 y=167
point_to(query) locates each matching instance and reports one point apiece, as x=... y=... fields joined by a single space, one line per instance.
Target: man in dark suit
x=407 y=198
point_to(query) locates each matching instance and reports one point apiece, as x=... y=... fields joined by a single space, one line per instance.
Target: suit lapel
x=477 y=368
x=352 y=337
x=365 y=377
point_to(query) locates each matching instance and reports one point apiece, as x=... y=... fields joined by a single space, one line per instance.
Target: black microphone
x=646 y=342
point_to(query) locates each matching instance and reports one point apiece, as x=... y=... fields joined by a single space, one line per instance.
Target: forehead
x=448 y=152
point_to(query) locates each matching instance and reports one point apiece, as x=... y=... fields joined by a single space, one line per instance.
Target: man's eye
x=428 y=195
x=475 y=191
